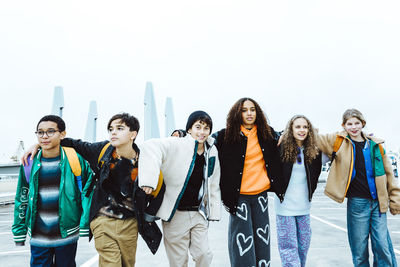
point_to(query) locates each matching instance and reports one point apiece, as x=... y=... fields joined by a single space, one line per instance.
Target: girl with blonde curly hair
x=301 y=167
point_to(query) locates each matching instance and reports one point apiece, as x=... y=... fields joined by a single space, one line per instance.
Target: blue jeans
x=63 y=256
x=364 y=221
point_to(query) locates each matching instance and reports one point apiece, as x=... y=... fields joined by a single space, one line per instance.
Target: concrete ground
x=329 y=246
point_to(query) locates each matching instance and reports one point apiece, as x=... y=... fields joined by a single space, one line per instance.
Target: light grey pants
x=249 y=232
x=187 y=230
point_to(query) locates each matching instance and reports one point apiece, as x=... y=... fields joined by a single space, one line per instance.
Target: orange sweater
x=255 y=178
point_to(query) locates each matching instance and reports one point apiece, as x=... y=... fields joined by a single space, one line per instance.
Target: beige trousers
x=187 y=230
x=115 y=241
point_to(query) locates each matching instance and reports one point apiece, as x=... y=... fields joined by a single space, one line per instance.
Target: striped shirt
x=46 y=231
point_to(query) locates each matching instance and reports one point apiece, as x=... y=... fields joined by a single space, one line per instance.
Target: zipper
x=206 y=191
x=351 y=169
x=186 y=182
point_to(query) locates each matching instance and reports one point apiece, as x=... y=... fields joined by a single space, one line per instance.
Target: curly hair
x=289 y=149
x=234 y=121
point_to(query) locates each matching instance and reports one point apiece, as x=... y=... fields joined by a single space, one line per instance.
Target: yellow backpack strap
x=336 y=146
x=73 y=160
x=159 y=185
x=338 y=143
x=381 y=150
x=103 y=150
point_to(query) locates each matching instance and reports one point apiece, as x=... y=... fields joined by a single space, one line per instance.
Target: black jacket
x=232 y=156
x=91 y=152
x=148 y=229
x=313 y=170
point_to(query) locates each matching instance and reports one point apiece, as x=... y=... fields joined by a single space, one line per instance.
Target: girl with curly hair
x=301 y=167
x=250 y=164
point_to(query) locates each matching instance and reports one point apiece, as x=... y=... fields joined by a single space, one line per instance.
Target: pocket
x=94 y=225
x=358 y=206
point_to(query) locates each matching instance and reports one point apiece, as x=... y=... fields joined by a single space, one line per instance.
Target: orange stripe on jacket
x=255 y=178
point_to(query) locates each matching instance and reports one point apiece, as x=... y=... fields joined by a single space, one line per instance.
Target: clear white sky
x=311 y=57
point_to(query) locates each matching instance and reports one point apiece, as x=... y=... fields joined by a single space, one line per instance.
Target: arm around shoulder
x=152 y=153
x=219 y=138
x=325 y=143
x=89 y=151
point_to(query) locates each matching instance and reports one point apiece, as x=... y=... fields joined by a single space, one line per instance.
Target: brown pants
x=115 y=241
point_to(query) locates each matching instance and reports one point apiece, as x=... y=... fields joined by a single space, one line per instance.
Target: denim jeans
x=63 y=256
x=363 y=221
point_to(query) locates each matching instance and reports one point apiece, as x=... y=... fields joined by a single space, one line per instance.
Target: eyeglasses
x=49 y=133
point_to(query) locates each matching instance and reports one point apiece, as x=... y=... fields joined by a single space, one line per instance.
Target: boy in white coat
x=191 y=173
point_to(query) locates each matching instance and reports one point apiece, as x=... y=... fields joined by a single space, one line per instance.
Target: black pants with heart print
x=249 y=232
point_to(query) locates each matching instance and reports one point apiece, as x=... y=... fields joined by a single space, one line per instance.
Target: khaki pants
x=187 y=230
x=115 y=241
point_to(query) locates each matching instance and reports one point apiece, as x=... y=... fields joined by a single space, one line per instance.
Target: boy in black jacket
x=113 y=216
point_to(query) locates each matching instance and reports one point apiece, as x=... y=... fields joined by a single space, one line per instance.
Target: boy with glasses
x=113 y=219
x=49 y=206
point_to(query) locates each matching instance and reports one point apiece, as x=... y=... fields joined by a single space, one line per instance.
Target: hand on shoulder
x=32 y=151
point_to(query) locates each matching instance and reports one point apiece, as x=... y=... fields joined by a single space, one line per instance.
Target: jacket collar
x=366 y=137
x=108 y=154
x=209 y=142
x=39 y=154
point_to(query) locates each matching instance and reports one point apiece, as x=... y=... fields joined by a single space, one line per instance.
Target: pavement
x=329 y=246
